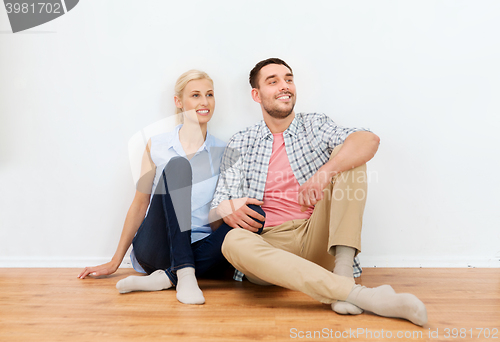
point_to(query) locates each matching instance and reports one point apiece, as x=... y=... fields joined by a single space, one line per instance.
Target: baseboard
x=56 y=262
x=428 y=262
x=366 y=261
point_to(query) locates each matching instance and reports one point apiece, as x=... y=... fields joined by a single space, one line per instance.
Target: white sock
x=187 y=288
x=384 y=301
x=156 y=281
x=344 y=257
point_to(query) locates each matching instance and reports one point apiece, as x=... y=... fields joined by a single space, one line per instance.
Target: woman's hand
x=104 y=269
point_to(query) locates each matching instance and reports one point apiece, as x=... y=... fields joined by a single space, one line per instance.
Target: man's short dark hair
x=254 y=82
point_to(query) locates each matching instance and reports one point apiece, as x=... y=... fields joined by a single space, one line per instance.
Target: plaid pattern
x=309 y=142
x=356 y=268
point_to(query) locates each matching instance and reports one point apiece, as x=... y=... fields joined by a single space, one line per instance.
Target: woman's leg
x=164 y=239
x=208 y=256
x=163 y=242
x=151 y=242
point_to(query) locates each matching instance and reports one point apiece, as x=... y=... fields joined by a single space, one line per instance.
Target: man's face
x=276 y=91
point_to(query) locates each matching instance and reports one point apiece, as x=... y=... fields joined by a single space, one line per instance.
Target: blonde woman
x=167 y=223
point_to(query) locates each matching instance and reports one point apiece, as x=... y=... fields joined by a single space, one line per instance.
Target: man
x=309 y=176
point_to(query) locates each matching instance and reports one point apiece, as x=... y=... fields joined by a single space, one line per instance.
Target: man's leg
x=334 y=229
x=258 y=259
x=332 y=235
x=252 y=255
x=337 y=218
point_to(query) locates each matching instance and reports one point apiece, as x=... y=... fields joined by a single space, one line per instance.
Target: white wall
x=423 y=75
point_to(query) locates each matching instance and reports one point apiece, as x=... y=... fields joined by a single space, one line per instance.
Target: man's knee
x=361 y=168
x=235 y=240
x=335 y=151
x=230 y=241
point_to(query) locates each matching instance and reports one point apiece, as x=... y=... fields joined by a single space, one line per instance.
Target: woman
x=169 y=229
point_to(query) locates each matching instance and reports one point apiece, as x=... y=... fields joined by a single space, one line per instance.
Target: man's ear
x=178 y=102
x=256 y=95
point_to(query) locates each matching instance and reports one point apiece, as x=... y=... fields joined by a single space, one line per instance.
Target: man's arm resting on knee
x=358 y=149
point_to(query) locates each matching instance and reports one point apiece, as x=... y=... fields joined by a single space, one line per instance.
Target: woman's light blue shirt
x=205 y=165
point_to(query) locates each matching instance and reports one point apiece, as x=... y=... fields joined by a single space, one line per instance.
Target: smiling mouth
x=202 y=111
x=284 y=97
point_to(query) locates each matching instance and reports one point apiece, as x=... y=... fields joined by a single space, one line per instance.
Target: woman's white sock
x=188 y=291
x=156 y=281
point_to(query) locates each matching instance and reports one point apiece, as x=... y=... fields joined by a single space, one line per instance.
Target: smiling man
x=309 y=177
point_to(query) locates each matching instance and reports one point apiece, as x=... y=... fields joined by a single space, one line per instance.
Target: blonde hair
x=181 y=83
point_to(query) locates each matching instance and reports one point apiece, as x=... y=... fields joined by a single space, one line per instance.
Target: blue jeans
x=163 y=241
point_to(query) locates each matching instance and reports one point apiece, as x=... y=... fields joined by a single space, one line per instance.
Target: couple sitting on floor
x=283 y=202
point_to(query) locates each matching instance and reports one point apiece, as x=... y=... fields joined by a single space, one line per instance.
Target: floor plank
x=53 y=305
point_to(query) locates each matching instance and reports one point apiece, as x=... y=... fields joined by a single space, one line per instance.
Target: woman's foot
x=156 y=281
x=384 y=301
x=187 y=288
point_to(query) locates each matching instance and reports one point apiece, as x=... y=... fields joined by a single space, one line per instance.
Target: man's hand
x=311 y=192
x=237 y=214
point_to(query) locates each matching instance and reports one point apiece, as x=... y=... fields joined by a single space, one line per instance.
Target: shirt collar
x=293 y=129
x=177 y=146
x=264 y=131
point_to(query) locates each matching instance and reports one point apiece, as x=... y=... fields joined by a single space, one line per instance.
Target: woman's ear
x=178 y=102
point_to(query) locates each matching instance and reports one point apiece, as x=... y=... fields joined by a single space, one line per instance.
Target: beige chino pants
x=299 y=254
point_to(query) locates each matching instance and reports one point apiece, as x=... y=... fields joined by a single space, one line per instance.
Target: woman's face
x=197 y=101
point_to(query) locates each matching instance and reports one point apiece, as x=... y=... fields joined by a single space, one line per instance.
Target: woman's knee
x=259 y=210
x=177 y=174
x=178 y=167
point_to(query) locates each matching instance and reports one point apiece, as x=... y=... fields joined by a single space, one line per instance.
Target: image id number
x=481 y=333
x=40 y=7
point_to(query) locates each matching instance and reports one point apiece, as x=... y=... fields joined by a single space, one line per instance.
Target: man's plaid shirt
x=309 y=142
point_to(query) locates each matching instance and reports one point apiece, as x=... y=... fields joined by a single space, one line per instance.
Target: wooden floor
x=53 y=305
